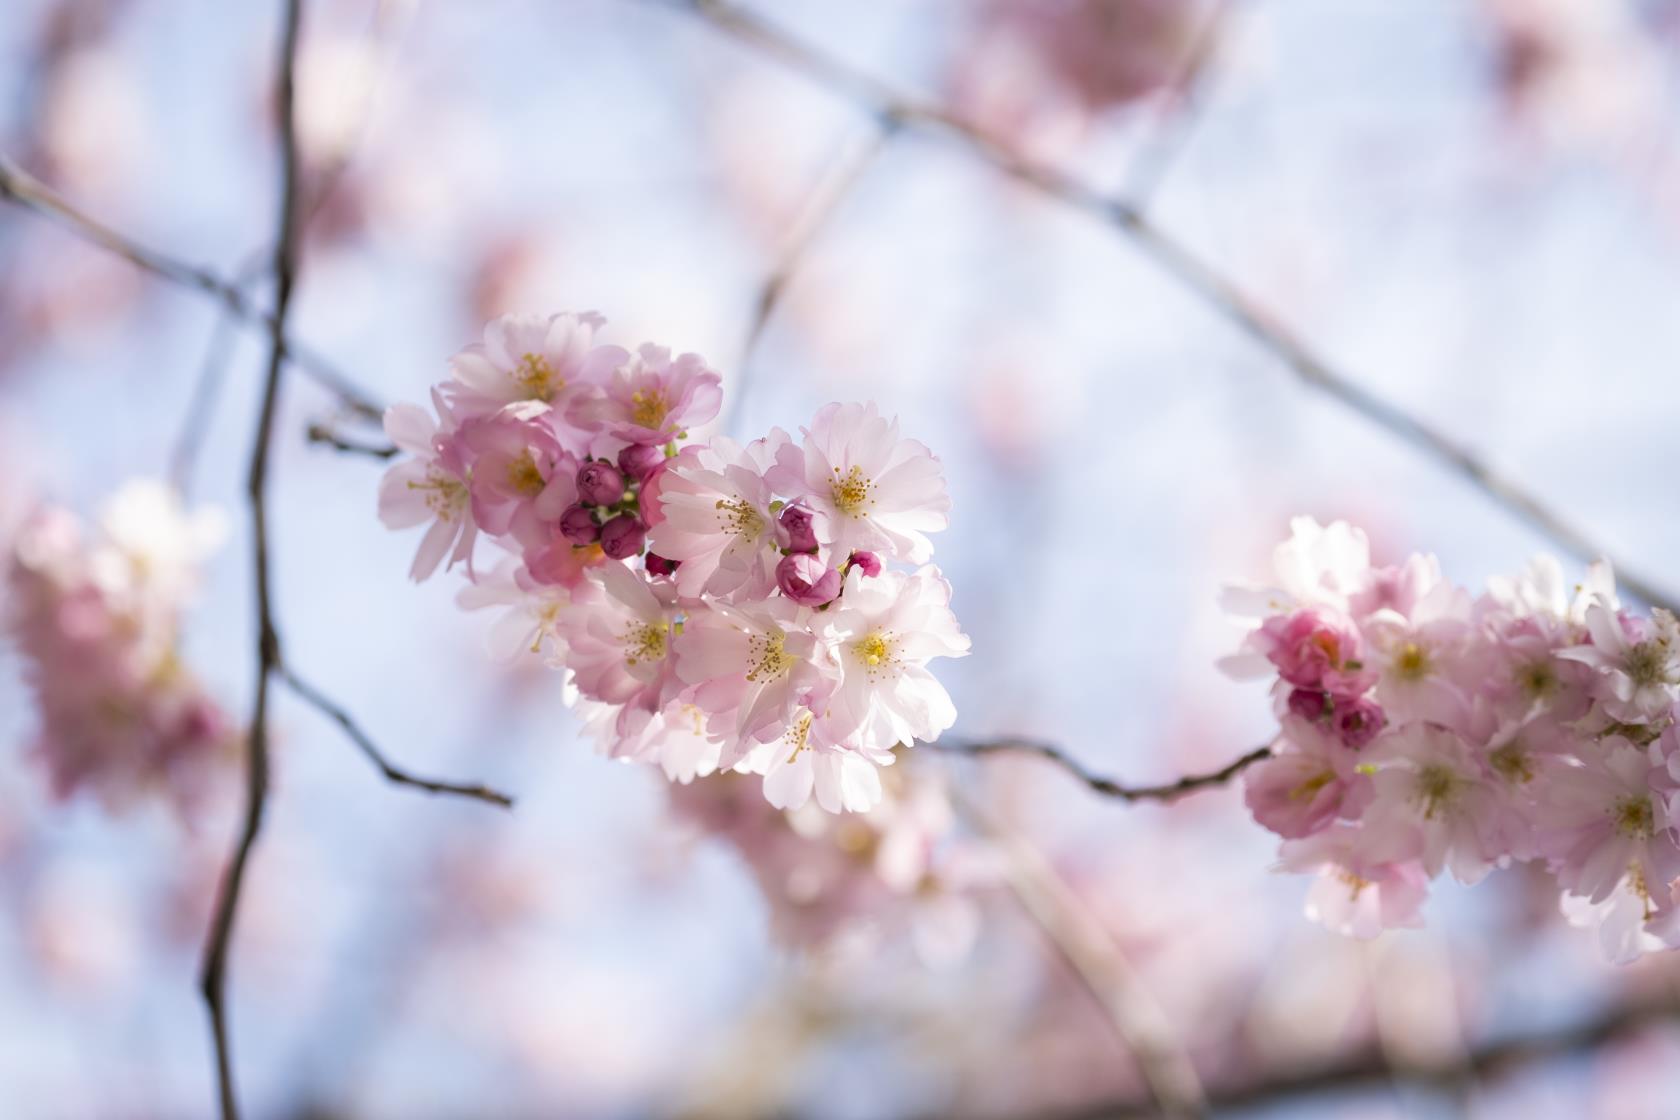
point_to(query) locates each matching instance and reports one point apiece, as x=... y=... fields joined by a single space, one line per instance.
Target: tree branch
x=882 y=100
x=1108 y=787
x=393 y=773
x=214 y=979
x=324 y=433
x=24 y=189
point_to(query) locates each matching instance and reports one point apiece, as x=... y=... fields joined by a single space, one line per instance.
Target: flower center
x=645 y=642
x=524 y=476
x=1355 y=884
x=445 y=496
x=1308 y=789
x=1646 y=664
x=799 y=735
x=739 y=517
x=534 y=375
x=1436 y=787
x=648 y=408
x=1511 y=763
x=767 y=658
x=1634 y=818
x=1537 y=679
x=851 y=491
x=876 y=652
x=1413 y=662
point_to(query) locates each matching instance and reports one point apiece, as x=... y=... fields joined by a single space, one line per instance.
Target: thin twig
x=202 y=405
x=323 y=433
x=837 y=185
x=1100 y=965
x=882 y=100
x=1187 y=97
x=1108 y=787
x=26 y=190
x=214 y=981
x=393 y=773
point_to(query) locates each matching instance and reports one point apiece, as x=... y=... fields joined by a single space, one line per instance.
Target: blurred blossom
x=96 y=612
x=851 y=882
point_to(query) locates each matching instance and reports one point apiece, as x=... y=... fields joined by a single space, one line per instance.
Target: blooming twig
x=214 y=979
x=886 y=102
x=19 y=186
x=1108 y=787
x=393 y=773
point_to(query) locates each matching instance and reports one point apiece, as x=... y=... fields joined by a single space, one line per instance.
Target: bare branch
x=847 y=172
x=214 y=978
x=393 y=773
x=21 y=187
x=1371 y=1067
x=1108 y=787
x=882 y=100
x=324 y=433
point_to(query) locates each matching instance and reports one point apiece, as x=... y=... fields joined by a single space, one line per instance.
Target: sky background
x=1116 y=451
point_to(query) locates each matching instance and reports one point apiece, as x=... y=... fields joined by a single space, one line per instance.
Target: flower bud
x=659 y=566
x=599 y=483
x=798 y=528
x=1358 y=721
x=578 y=526
x=639 y=459
x=1310 y=704
x=623 y=536
x=807 y=580
x=866 y=562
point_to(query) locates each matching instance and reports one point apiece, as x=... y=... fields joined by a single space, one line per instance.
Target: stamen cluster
x=1425 y=730
x=714 y=606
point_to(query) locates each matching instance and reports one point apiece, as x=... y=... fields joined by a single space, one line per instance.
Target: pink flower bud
x=578 y=526
x=639 y=460
x=866 y=562
x=623 y=537
x=807 y=580
x=599 y=483
x=1310 y=704
x=1358 y=721
x=798 y=528
x=659 y=566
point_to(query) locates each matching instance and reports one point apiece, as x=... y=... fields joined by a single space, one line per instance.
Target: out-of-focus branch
x=1371 y=1067
x=1187 y=96
x=1108 y=787
x=19 y=186
x=393 y=773
x=837 y=185
x=1097 y=961
x=884 y=101
x=324 y=433
x=214 y=980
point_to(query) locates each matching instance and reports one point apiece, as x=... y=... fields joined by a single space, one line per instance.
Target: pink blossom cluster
x=96 y=615
x=1424 y=730
x=714 y=606
x=849 y=883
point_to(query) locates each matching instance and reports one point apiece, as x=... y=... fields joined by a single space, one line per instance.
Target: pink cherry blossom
x=652 y=398
x=879 y=492
x=548 y=359
x=716 y=519
x=431 y=486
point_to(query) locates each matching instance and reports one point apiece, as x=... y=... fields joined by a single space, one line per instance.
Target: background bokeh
x=1482 y=230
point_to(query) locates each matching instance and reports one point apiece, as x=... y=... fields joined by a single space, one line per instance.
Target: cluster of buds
x=713 y=606
x=96 y=615
x=1425 y=730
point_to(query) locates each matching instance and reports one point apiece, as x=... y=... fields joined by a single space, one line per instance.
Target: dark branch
x=393 y=773
x=21 y=187
x=214 y=979
x=1108 y=787
x=882 y=100
x=1371 y=1068
x=323 y=433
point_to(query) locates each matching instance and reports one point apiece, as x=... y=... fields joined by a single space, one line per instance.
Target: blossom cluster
x=848 y=883
x=1424 y=730
x=714 y=606
x=96 y=614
